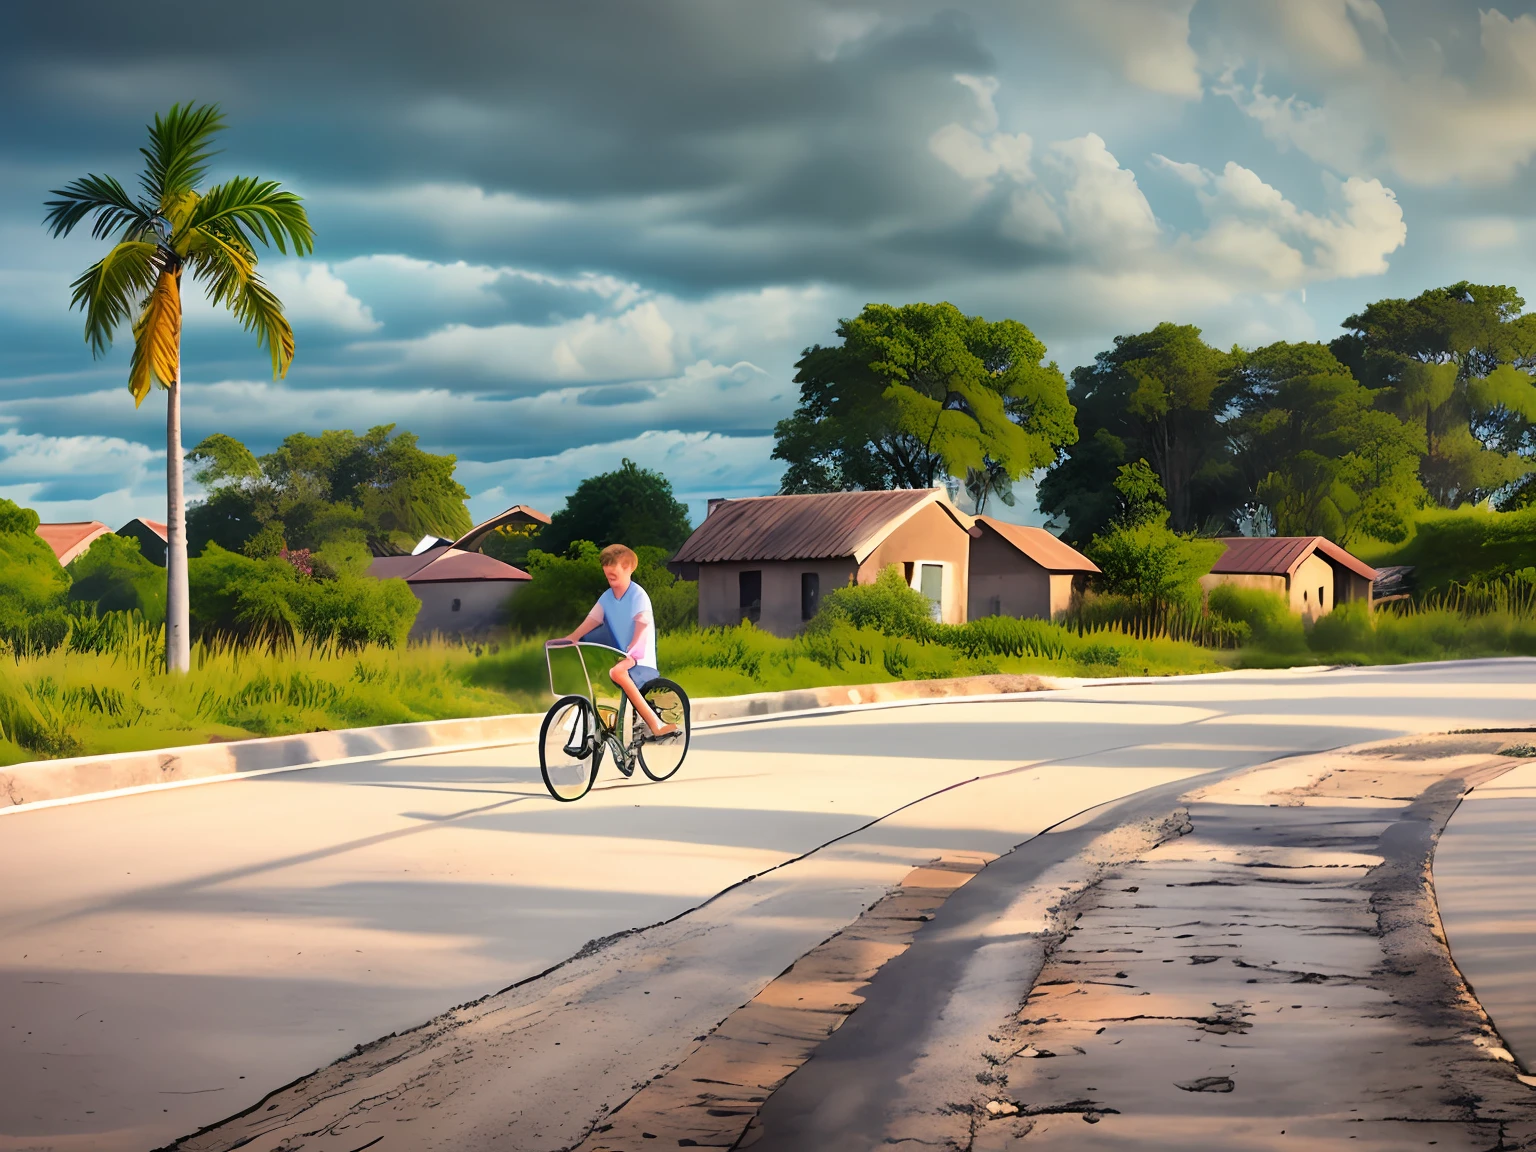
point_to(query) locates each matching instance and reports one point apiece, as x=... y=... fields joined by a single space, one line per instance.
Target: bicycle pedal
x=625 y=770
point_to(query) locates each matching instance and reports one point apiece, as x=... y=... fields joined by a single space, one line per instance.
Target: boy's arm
x=594 y=618
x=637 y=644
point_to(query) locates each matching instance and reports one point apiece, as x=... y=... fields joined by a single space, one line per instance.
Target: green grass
x=1456 y=546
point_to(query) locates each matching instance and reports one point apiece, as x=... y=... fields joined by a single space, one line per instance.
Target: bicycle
x=578 y=730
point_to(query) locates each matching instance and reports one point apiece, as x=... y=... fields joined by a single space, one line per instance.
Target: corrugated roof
x=442 y=566
x=1282 y=555
x=1046 y=550
x=821 y=526
x=517 y=514
x=69 y=540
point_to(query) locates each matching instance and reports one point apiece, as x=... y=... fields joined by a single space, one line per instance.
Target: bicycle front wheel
x=569 y=751
x=660 y=759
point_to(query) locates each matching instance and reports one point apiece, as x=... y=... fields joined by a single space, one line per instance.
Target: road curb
x=49 y=783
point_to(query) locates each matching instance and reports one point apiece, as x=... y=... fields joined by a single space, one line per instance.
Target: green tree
x=32 y=585
x=630 y=505
x=316 y=491
x=1140 y=557
x=170 y=229
x=1455 y=363
x=1317 y=450
x=1156 y=396
x=919 y=392
x=113 y=575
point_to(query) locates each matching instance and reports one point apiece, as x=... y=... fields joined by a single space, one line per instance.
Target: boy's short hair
x=616 y=554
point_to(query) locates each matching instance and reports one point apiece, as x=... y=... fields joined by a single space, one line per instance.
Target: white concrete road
x=168 y=958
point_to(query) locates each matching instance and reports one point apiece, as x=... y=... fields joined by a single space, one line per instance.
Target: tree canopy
x=1456 y=364
x=916 y=393
x=630 y=505
x=1155 y=396
x=318 y=492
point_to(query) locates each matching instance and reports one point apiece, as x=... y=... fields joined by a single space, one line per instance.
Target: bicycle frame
x=607 y=716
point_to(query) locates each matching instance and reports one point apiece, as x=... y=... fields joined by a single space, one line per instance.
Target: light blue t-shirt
x=621 y=616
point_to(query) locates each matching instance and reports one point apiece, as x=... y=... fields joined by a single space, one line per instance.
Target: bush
x=890 y=606
x=1462 y=546
x=1266 y=616
x=113 y=576
x=1348 y=628
x=1152 y=565
x=32 y=585
x=565 y=587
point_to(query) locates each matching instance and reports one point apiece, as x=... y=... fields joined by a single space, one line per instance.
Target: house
x=70 y=540
x=1021 y=571
x=519 y=515
x=1312 y=572
x=769 y=559
x=151 y=535
x=461 y=593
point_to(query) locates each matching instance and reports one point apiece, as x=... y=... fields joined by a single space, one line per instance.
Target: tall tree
x=1317 y=451
x=920 y=392
x=1156 y=396
x=171 y=228
x=630 y=505
x=1456 y=363
x=379 y=488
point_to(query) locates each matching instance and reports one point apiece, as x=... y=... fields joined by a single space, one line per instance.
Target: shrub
x=1151 y=564
x=1266 y=616
x=1348 y=628
x=890 y=606
x=565 y=587
x=32 y=585
x=113 y=576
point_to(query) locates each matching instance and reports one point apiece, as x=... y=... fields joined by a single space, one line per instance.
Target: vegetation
x=337 y=493
x=631 y=505
x=173 y=228
x=565 y=587
x=918 y=393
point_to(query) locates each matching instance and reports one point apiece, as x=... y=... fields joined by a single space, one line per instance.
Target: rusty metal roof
x=1282 y=555
x=443 y=566
x=69 y=540
x=821 y=526
x=1040 y=546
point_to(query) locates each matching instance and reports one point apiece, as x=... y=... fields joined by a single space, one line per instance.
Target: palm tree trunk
x=178 y=626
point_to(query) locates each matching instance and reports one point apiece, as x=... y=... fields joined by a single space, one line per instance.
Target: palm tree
x=991 y=479
x=172 y=228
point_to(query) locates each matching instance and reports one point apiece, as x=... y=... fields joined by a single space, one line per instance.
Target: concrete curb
x=47 y=783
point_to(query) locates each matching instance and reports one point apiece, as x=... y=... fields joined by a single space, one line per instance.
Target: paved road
x=1485 y=883
x=167 y=958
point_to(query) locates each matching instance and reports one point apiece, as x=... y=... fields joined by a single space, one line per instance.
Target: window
x=810 y=594
x=455 y=604
x=930 y=582
x=1319 y=597
x=751 y=596
x=1304 y=595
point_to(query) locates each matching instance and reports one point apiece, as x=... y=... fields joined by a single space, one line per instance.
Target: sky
x=552 y=236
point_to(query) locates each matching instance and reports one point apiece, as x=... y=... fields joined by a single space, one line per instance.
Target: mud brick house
x=1312 y=572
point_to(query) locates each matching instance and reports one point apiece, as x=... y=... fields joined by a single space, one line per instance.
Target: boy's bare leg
x=619 y=674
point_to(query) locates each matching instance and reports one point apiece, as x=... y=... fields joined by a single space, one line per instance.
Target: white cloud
x=311 y=293
x=82 y=477
x=1380 y=102
x=1148 y=39
x=1102 y=204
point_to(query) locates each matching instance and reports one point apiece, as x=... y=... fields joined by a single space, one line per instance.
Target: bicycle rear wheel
x=569 y=751
x=660 y=759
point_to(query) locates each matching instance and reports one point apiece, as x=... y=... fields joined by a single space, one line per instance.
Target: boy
x=622 y=619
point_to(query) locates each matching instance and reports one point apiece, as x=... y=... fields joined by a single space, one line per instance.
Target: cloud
x=700 y=465
x=82 y=477
x=312 y=295
x=1091 y=210
x=1431 y=116
x=1148 y=39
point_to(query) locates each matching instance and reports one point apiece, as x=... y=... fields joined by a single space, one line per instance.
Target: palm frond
x=156 y=339
x=180 y=144
x=109 y=291
x=259 y=210
x=105 y=197
x=261 y=312
x=220 y=258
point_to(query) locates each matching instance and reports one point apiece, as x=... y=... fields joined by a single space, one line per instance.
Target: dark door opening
x=751 y=596
x=810 y=594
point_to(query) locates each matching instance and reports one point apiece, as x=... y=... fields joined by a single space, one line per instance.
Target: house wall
x=929 y=535
x=1316 y=573
x=1005 y=582
x=482 y=606
x=720 y=591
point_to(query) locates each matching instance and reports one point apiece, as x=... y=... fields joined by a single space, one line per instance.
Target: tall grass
x=104 y=690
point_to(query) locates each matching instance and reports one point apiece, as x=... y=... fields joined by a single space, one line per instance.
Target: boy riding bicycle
x=622 y=619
